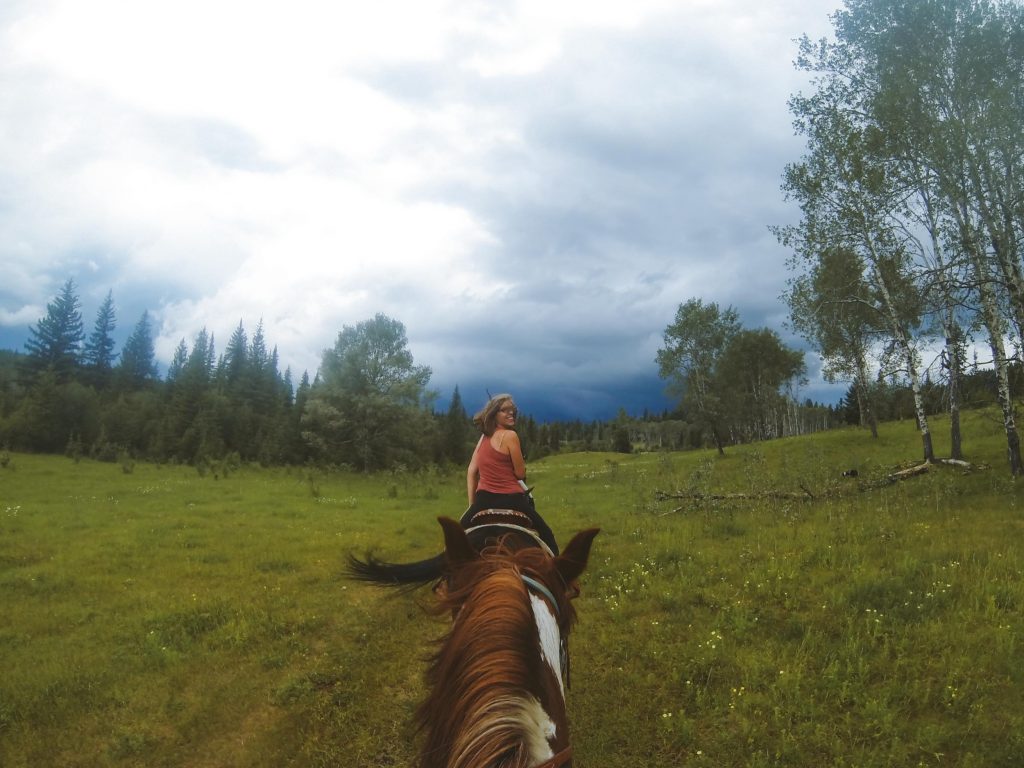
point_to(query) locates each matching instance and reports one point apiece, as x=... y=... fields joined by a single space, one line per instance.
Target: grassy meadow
x=162 y=618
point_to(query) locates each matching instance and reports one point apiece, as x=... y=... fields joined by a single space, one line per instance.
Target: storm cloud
x=532 y=189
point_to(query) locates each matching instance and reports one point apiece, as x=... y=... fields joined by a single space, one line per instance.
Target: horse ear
x=574 y=557
x=457 y=549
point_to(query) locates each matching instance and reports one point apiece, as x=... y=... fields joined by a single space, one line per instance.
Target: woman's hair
x=487 y=418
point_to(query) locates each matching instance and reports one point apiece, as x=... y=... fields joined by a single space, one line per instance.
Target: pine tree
x=193 y=423
x=174 y=370
x=258 y=350
x=233 y=364
x=55 y=341
x=98 y=352
x=137 y=366
x=457 y=431
x=302 y=394
x=263 y=378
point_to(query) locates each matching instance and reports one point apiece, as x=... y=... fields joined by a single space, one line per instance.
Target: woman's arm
x=515 y=452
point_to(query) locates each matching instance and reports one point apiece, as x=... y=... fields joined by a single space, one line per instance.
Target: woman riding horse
x=496 y=476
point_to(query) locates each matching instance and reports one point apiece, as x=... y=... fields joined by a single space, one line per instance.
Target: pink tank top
x=497 y=474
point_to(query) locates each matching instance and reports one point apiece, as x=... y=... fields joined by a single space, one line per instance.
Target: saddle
x=490 y=524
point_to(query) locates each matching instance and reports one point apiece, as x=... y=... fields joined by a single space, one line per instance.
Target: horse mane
x=486 y=678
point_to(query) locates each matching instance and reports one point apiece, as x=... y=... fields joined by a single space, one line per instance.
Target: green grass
x=161 y=618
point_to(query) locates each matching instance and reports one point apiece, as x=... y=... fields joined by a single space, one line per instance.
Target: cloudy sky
x=532 y=188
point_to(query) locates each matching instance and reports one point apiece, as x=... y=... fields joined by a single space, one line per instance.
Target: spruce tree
x=457 y=432
x=98 y=352
x=55 y=341
x=234 y=362
x=177 y=366
x=137 y=366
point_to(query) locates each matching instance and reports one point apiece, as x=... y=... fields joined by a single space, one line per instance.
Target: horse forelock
x=487 y=679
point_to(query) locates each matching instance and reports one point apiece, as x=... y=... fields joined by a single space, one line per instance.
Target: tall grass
x=161 y=618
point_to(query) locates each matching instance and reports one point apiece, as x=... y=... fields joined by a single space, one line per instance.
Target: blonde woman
x=496 y=476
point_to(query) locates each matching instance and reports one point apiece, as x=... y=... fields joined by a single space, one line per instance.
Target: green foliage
x=728 y=377
x=55 y=341
x=694 y=342
x=368 y=409
x=458 y=436
x=911 y=180
x=751 y=373
x=374 y=410
x=98 y=352
x=126 y=461
x=621 y=442
x=194 y=620
x=829 y=307
x=137 y=365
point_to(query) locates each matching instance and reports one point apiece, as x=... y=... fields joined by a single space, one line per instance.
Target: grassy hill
x=163 y=618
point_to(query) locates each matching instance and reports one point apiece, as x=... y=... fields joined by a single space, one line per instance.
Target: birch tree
x=694 y=342
x=752 y=374
x=847 y=194
x=829 y=307
x=939 y=88
x=949 y=99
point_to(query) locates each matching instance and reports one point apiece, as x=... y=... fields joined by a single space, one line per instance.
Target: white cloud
x=553 y=176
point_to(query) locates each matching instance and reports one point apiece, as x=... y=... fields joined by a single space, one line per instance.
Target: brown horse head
x=496 y=686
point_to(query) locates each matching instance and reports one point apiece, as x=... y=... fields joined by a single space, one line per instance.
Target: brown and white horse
x=497 y=681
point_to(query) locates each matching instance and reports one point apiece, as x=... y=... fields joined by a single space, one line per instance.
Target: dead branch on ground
x=807 y=495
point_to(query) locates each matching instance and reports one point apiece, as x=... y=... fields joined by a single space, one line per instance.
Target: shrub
x=126 y=461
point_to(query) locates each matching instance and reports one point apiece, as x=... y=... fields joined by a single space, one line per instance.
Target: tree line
x=368 y=407
x=71 y=392
x=911 y=198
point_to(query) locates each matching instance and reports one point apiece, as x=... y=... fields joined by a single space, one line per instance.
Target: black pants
x=521 y=502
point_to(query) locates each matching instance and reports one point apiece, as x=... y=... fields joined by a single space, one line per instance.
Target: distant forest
x=369 y=406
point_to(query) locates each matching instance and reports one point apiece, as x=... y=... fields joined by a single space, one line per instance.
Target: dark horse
x=497 y=680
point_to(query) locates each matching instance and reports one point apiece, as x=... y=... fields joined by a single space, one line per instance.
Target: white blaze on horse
x=497 y=682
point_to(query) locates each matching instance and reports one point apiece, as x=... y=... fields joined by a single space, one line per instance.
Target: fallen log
x=903 y=474
x=920 y=469
x=701 y=496
x=806 y=495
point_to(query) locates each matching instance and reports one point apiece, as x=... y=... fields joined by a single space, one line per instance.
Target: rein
x=563 y=648
x=535 y=585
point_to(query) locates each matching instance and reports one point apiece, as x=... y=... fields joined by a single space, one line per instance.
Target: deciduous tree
x=367 y=408
x=694 y=343
x=917 y=110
